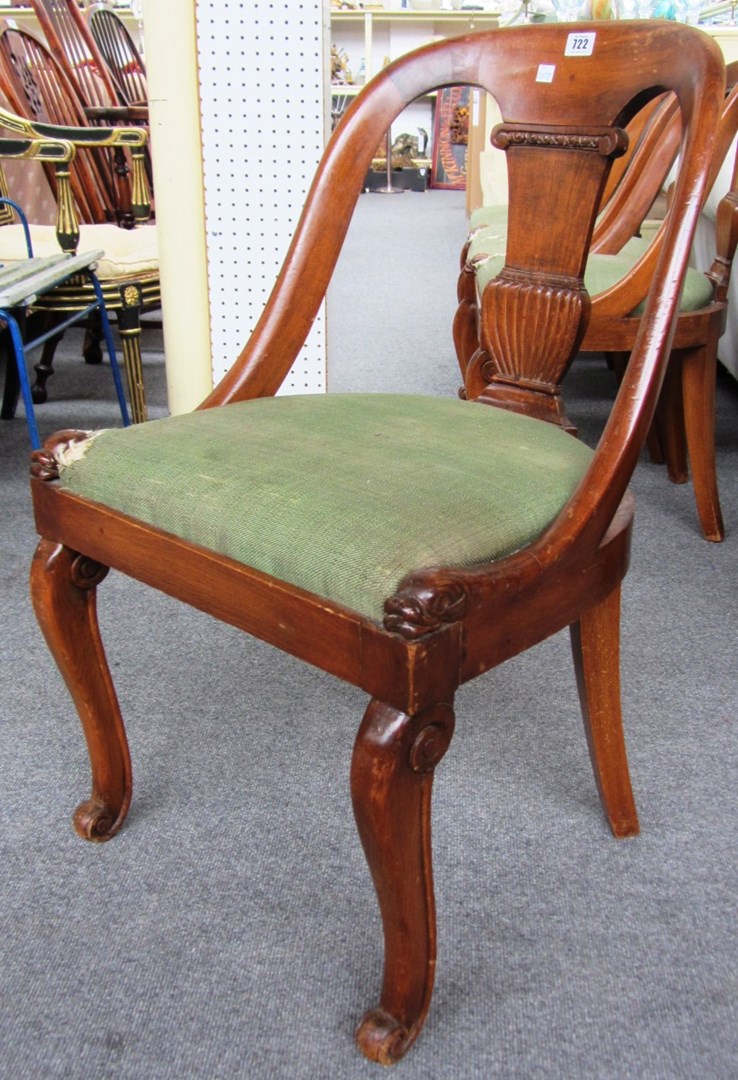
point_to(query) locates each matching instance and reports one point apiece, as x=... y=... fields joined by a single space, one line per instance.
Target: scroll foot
x=391 y=779
x=94 y=821
x=63 y=587
x=381 y=1037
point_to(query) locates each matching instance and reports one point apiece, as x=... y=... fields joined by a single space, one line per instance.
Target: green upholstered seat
x=487 y=252
x=488 y=217
x=342 y=494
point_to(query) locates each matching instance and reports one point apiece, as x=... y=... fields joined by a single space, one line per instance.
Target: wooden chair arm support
x=60 y=153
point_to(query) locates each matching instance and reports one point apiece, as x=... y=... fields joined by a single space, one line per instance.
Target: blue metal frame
x=20 y=347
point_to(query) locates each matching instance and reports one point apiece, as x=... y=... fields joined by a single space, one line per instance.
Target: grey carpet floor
x=230 y=930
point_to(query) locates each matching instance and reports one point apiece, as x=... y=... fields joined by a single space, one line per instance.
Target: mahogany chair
x=403 y=543
x=619 y=275
x=685 y=415
x=128 y=273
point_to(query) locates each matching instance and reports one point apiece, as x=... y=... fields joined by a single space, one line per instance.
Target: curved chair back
x=120 y=53
x=77 y=51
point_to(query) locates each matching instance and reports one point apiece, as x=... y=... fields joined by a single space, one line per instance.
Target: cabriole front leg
x=63 y=588
x=391 y=779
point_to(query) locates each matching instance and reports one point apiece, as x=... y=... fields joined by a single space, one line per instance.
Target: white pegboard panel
x=262 y=70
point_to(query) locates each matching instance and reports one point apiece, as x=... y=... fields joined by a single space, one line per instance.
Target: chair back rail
x=655 y=147
x=625 y=295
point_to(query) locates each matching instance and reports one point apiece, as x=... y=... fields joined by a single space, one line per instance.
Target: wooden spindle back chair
x=39 y=90
x=120 y=53
x=73 y=43
x=68 y=34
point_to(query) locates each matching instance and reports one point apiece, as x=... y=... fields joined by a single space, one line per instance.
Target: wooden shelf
x=443 y=23
x=474 y=19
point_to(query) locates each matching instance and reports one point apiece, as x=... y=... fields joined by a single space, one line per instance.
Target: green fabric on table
x=342 y=494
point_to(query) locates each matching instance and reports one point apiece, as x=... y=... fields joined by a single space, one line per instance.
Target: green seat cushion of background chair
x=492 y=217
x=601 y=273
x=340 y=494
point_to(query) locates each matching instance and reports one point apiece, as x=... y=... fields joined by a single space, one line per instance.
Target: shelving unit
x=372 y=36
x=380 y=32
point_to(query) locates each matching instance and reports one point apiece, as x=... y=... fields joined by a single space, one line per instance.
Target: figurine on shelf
x=459 y=125
x=404 y=152
x=340 y=73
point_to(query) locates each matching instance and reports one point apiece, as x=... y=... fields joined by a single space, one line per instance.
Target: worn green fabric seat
x=487 y=252
x=493 y=217
x=342 y=494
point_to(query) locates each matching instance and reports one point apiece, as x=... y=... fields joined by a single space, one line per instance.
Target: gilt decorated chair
x=129 y=273
x=38 y=87
x=77 y=52
x=406 y=544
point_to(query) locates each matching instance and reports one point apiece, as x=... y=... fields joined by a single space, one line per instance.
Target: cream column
x=174 y=104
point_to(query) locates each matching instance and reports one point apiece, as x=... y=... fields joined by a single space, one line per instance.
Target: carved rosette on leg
x=391 y=779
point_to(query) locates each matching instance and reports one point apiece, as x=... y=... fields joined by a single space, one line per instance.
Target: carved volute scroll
x=533 y=315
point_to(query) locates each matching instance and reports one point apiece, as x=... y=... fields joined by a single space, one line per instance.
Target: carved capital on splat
x=421 y=608
x=58 y=449
x=605 y=141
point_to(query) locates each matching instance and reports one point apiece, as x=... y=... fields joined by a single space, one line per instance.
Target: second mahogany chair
x=404 y=543
x=619 y=275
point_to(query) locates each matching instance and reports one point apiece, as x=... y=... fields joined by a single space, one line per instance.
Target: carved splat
x=534 y=313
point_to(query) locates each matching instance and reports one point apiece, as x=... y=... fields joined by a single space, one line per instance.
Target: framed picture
x=450 y=138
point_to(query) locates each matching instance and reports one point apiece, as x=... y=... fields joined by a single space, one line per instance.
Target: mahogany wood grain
x=442 y=625
x=610 y=328
x=595 y=638
x=63 y=589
